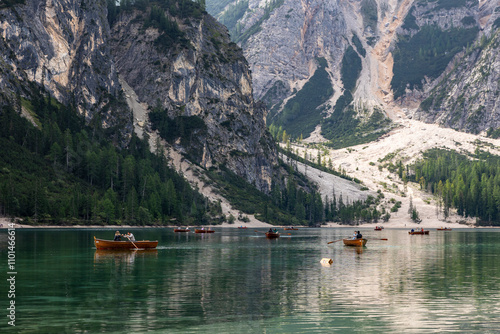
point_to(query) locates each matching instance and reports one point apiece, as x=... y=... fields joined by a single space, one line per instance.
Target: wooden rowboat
x=355 y=242
x=378 y=229
x=418 y=232
x=444 y=229
x=242 y=227
x=204 y=231
x=110 y=244
x=272 y=235
x=181 y=230
x=291 y=229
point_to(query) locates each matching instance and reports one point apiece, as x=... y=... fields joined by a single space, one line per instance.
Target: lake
x=237 y=281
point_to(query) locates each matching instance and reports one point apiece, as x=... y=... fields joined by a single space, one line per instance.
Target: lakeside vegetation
x=469 y=184
x=64 y=172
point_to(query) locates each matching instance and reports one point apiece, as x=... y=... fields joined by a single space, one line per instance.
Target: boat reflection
x=125 y=256
x=356 y=249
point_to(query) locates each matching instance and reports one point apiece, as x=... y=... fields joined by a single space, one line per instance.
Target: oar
x=331 y=242
x=132 y=243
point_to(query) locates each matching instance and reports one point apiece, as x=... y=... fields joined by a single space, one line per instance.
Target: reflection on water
x=237 y=281
x=122 y=256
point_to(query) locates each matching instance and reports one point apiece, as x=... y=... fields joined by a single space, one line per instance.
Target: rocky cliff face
x=283 y=50
x=407 y=48
x=207 y=78
x=66 y=47
x=62 y=46
x=466 y=96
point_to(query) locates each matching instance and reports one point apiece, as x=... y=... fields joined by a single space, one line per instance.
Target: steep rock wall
x=62 y=46
x=207 y=78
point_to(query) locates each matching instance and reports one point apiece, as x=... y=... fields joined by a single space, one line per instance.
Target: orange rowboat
x=354 y=242
x=110 y=244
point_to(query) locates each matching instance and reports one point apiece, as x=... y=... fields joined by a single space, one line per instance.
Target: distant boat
x=242 y=227
x=354 y=242
x=182 y=230
x=110 y=244
x=272 y=235
x=444 y=229
x=378 y=228
x=418 y=232
x=291 y=229
x=203 y=231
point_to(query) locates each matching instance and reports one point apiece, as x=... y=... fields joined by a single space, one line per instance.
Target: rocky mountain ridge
x=69 y=49
x=406 y=50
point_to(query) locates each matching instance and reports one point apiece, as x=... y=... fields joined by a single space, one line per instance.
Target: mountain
x=108 y=96
x=177 y=60
x=140 y=113
x=436 y=60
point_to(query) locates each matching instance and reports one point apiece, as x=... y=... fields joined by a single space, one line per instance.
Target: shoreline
x=396 y=224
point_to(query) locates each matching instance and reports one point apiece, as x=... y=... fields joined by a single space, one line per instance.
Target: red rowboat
x=110 y=244
x=181 y=230
x=354 y=242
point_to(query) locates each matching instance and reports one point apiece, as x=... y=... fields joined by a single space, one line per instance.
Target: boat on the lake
x=418 y=232
x=272 y=235
x=182 y=229
x=378 y=228
x=444 y=229
x=291 y=229
x=121 y=245
x=242 y=227
x=203 y=231
x=354 y=242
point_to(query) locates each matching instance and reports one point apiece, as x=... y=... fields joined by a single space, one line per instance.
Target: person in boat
x=359 y=235
x=275 y=230
x=130 y=236
x=412 y=230
x=270 y=230
x=118 y=236
x=422 y=229
x=355 y=235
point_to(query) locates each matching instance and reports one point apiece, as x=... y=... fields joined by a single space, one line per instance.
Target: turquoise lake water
x=237 y=281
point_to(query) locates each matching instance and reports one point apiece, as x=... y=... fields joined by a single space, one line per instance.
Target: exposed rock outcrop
x=208 y=78
x=66 y=48
x=283 y=37
x=62 y=46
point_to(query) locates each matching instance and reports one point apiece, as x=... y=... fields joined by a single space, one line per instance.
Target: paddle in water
x=331 y=242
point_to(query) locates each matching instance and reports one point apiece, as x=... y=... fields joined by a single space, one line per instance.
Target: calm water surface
x=237 y=281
